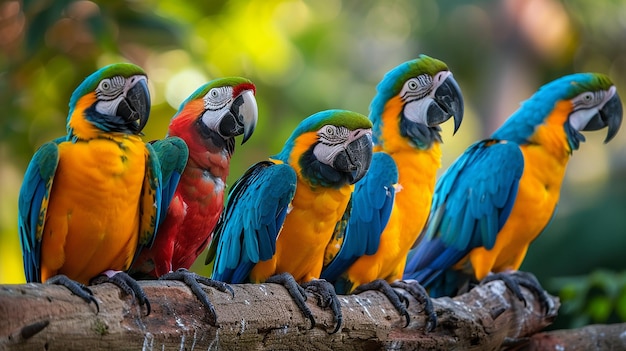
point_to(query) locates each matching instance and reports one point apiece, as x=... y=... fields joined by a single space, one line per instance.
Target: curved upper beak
x=241 y=118
x=135 y=108
x=448 y=102
x=248 y=114
x=357 y=156
x=609 y=116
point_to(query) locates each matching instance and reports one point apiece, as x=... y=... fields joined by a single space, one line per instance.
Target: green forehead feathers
x=349 y=119
x=91 y=82
x=344 y=118
x=216 y=83
x=594 y=81
x=421 y=65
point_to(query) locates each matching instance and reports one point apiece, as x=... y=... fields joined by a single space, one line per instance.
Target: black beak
x=356 y=158
x=448 y=102
x=609 y=116
x=135 y=108
x=242 y=117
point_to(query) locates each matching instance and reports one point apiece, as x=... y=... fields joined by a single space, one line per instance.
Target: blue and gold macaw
x=281 y=213
x=92 y=199
x=412 y=100
x=499 y=195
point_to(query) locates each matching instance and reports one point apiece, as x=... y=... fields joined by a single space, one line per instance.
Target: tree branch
x=36 y=316
x=590 y=338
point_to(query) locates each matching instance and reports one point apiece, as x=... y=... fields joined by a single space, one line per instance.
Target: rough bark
x=36 y=317
x=589 y=338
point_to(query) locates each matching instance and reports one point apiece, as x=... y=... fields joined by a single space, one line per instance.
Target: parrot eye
x=217 y=98
x=588 y=99
x=105 y=85
x=330 y=134
x=110 y=88
x=416 y=87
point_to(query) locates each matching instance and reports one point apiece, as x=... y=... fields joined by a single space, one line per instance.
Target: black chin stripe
x=214 y=138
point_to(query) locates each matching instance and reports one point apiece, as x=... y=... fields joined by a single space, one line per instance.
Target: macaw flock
x=351 y=202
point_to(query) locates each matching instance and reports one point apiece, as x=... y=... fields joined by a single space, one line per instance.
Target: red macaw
x=208 y=121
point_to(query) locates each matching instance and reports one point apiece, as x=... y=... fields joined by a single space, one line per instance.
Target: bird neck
x=204 y=154
x=551 y=135
x=78 y=126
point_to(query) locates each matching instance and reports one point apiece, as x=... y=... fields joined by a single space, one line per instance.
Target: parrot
x=281 y=213
x=369 y=252
x=208 y=121
x=502 y=192
x=92 y=199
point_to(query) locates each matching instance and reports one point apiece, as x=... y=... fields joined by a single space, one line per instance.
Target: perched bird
x=500 y=194
x=208 y=121
x=412 y=100
x=281 y=213
x=91 y=199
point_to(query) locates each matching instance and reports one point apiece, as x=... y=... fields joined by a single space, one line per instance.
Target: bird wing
x=359 y=231
x=247 y=230
x=472 y=202
x=33 y=204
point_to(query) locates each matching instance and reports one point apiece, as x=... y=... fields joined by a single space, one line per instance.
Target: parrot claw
x=296 y=291
x=326 y=297
x=419 y=293
x=400 y=302
x=516 y=279
x=128 y=285
x=193 y=281
x=76 y=288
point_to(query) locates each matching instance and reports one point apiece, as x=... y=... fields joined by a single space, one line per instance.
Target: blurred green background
x=306 y=56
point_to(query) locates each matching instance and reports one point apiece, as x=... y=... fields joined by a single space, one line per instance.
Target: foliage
x=599 y=297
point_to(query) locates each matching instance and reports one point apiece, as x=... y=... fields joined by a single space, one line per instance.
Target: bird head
x=595 y=105
x=220 y=110
x=578 y=102
x=413 y=99
x=115 y=98
x=331 y=148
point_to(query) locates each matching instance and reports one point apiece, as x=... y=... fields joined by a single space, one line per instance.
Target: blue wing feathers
x=247 y=230
x=172 y=154
x=32 y=206
x=372 y=201
x=472 y=201
x=153 y=179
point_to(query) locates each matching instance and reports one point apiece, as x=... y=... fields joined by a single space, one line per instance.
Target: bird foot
x=76 y=288
x=193 y=281
x=326 y=297
x=126 y=283
x=416 y=290
x=516 y=279
x=398 y=301
x=296 y=291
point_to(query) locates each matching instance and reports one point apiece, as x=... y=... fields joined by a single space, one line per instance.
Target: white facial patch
x=587 y=105
x=216 y=102
x=332 y=140
x=416 y=110
x=109 y=93
x=416 y=93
